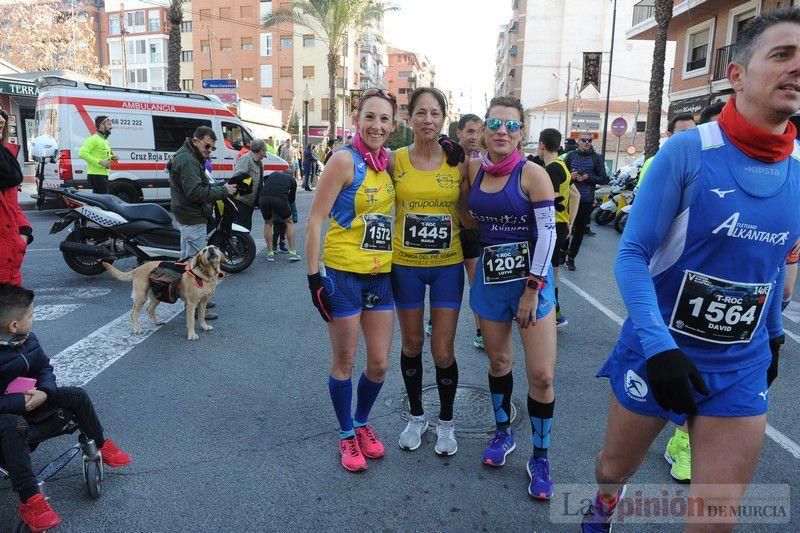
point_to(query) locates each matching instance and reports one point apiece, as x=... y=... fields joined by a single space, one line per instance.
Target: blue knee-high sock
x=541 y=415
x=342 y=397
x=366 y=395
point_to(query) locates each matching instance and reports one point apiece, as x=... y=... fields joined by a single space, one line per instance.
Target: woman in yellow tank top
x=354 y=291
x=427 y=253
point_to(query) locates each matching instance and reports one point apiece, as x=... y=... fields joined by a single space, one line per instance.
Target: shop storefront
x=18 y=98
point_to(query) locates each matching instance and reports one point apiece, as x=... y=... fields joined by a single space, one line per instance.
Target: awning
x=264 y=132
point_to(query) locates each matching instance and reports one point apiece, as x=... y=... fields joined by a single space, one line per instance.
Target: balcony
x=723 y=58
x=643 y=11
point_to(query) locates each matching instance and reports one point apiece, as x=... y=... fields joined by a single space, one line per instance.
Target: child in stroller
x=21 y=356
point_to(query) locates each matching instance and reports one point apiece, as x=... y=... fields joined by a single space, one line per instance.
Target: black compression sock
x=541 y=415
x=447 y=383
x=501 y=389
x=412 y=376
x=558 y=305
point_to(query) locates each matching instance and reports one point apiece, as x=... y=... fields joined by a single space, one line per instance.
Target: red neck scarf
x=753 y=141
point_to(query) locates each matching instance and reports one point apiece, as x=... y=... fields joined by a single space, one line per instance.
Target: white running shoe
x=411 y=437
x=446 y=438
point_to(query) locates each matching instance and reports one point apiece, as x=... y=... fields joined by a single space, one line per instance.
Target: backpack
x=165 y=281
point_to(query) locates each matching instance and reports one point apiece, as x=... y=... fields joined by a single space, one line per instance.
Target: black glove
x=319 y=297
x=453 y=150
x=671 y=375
x=774 y=347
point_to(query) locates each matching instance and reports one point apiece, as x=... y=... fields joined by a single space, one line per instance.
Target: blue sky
x=460 y=39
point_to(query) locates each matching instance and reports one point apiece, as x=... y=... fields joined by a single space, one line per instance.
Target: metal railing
x=721 y=62
x=643 y=11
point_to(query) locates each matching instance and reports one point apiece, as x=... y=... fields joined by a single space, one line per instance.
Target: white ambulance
x=148 y=127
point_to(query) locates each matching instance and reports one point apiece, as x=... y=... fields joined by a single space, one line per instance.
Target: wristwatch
x=536 y=283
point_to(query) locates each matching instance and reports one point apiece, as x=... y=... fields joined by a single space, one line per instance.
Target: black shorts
x=470 y=243
x=562 y=228
x=273 y=204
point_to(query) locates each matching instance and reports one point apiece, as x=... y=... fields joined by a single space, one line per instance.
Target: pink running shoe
x=352 y=458
x=368 y=441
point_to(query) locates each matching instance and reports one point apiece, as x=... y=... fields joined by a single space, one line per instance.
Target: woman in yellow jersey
x=427 y=253
x=354 y=290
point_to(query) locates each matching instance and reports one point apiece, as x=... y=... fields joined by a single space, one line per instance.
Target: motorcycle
x=107 y=229
x=614 y=198
x=622 y=217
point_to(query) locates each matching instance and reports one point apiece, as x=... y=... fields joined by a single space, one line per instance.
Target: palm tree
x=175 y=16
x=663 y=14
x=332 y=21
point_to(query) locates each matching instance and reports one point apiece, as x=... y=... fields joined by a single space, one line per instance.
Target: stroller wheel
x=93 y=474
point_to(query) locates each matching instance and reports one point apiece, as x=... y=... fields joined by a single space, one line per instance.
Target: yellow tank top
x=359 y=238
x=426 y=214
x=562 y=195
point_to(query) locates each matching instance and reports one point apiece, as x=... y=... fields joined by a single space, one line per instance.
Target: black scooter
x=107 y=229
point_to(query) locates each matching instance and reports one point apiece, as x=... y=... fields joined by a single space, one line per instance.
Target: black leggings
x=14 y=448
x=579 y=228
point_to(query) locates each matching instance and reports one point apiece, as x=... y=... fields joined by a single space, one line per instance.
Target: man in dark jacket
x=588 y=171
x=192 y=191
x=309 y=167
x=21 y=356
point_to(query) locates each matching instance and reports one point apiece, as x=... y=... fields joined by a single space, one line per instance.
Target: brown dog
x=196 y=288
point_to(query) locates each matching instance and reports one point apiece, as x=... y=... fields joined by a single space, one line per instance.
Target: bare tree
x=663 y=14
x=175 y=16
x=44 y=36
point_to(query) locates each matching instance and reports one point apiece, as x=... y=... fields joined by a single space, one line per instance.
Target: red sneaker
x=113 y=456
x=352 y=458
x=368 y=441
x=37 y=514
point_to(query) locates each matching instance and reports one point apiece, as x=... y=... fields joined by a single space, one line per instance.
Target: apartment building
x=407 y=71
x=704 y=32
x=540 y=53
x=373 y=59
x=137 y=33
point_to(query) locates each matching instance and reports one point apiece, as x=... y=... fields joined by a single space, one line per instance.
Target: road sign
x=586 y=126
x=220 y=84
x=630 y=150
x=619 y=126
x=577 y=134
x=588 y=116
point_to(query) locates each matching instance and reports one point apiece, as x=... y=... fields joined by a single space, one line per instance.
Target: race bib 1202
x=503 y=263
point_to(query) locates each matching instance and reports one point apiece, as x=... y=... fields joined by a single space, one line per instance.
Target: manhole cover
x=472 y=412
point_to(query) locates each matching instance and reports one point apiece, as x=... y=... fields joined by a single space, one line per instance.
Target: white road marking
x=792 y=336
x=792 y=312
x=81 y=362
x=782 y=440
x=589 y=298
x=71 y=293
x=28 y=250
x=785 y=442
x=54 y=311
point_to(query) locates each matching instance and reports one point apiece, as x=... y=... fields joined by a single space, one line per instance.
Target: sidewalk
x=24 y=196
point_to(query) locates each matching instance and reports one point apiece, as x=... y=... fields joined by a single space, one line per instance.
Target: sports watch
x=536 y=283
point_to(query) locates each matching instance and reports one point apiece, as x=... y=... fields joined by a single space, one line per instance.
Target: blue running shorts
x=352 y=293
x=734 y=393
x=499 y=301
x=446 y=283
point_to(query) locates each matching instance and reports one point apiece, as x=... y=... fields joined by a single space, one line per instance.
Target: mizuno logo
x=722 y=194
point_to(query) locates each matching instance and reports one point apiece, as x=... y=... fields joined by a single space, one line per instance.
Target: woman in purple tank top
x=511 y=203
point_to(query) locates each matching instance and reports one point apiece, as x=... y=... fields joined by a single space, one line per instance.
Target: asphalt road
x=235 y=432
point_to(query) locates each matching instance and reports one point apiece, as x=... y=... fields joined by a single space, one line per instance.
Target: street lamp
x=306 y=98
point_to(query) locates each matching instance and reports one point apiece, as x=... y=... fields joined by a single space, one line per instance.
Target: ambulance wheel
x=126 y=192
x=84 y=264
